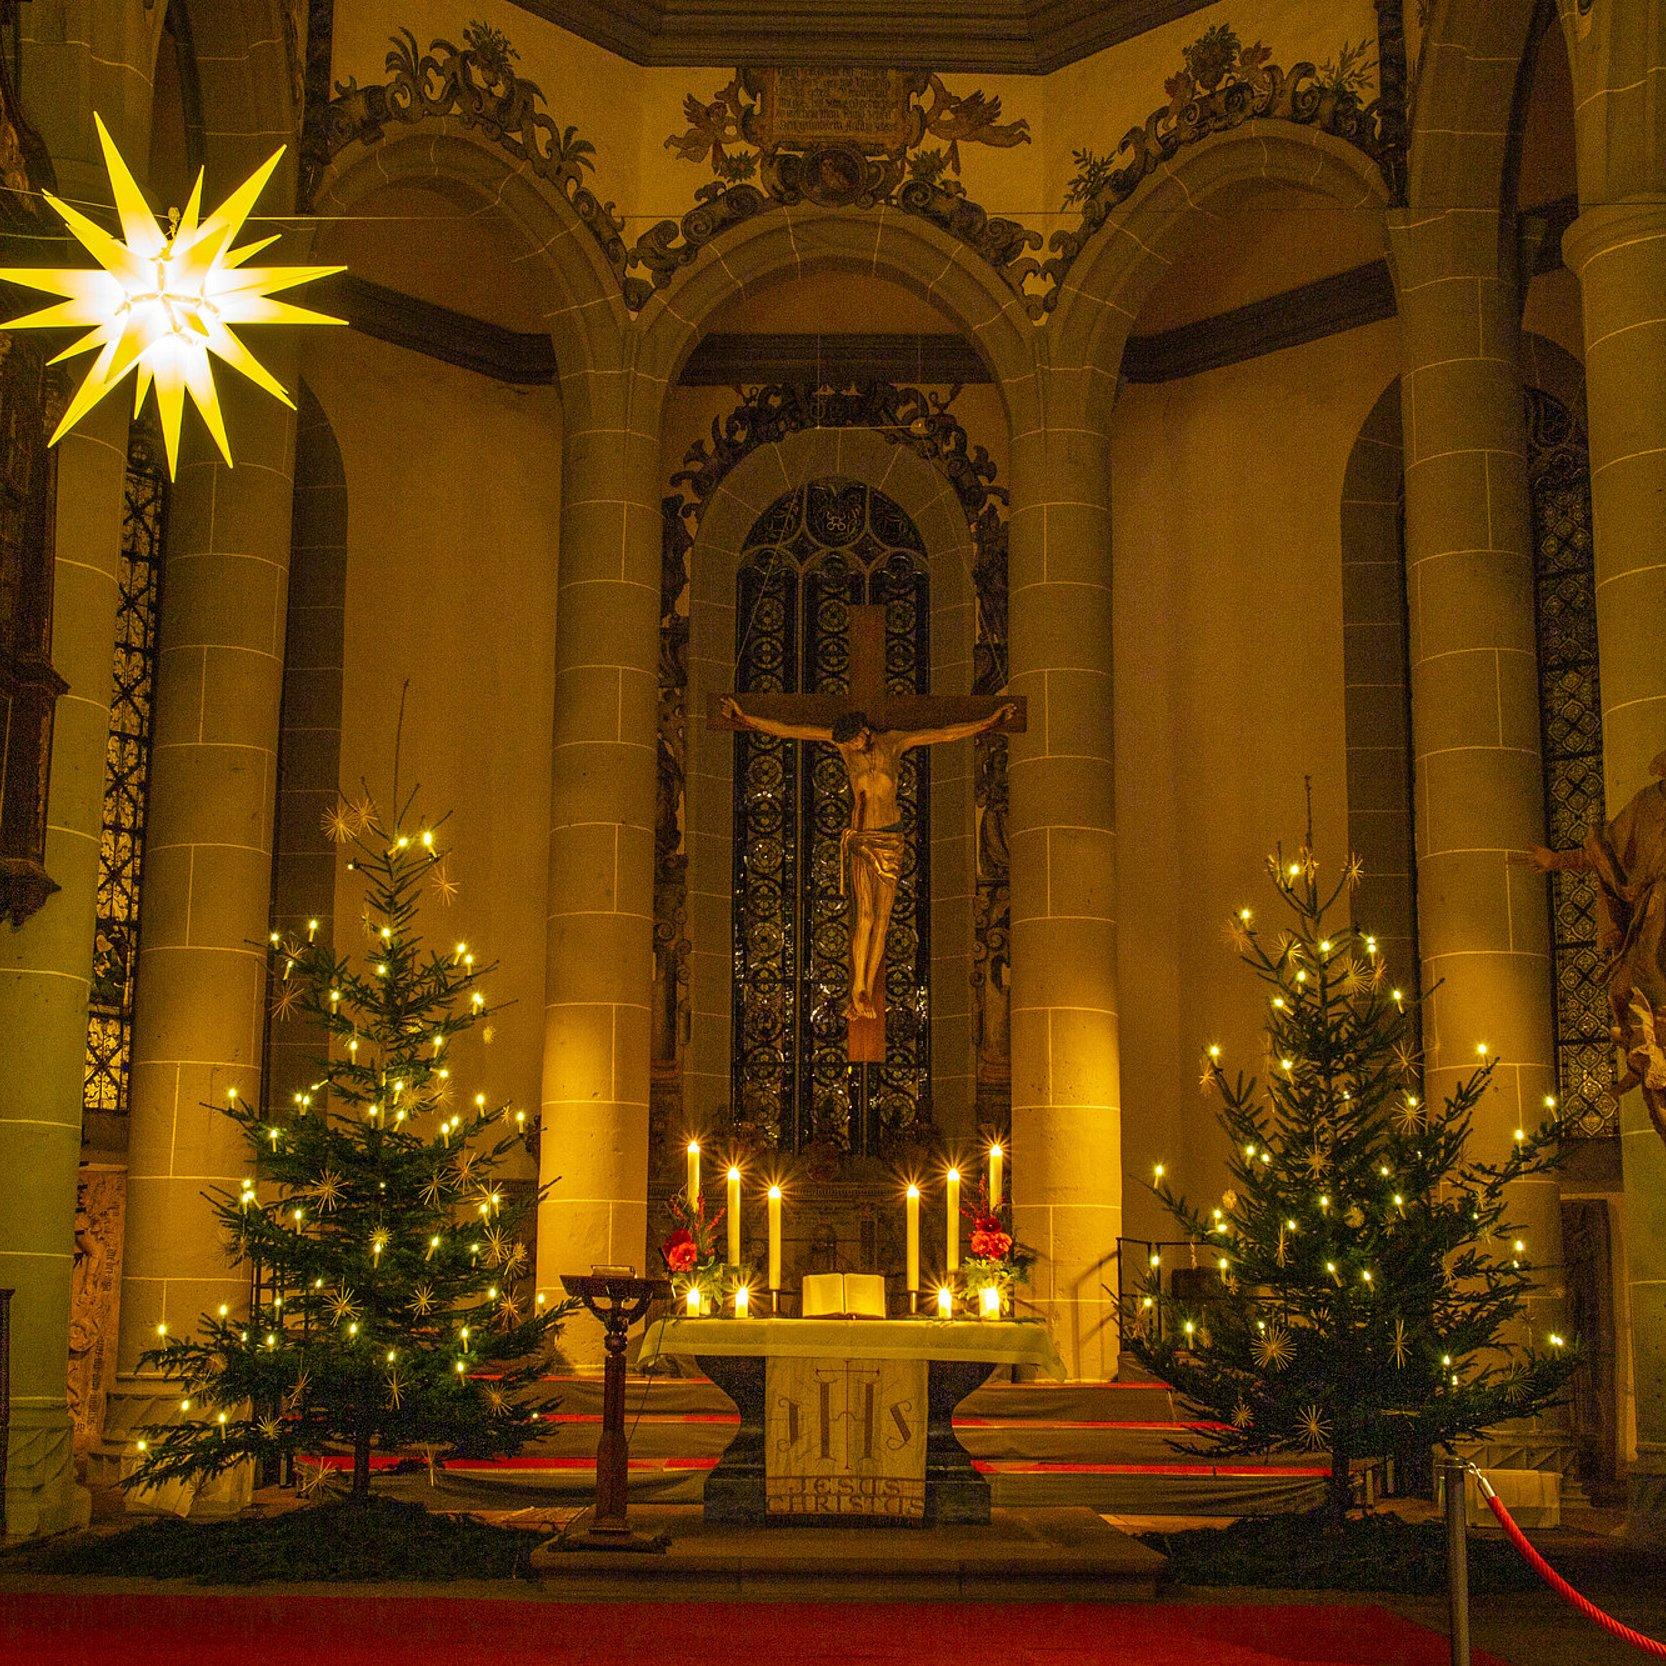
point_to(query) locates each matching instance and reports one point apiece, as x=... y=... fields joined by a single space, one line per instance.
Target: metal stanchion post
x=1457 y=1561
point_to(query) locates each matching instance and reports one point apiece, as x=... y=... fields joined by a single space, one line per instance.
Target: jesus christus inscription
x=845 y=1438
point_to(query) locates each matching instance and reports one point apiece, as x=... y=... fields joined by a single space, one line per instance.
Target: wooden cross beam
x=906 y=713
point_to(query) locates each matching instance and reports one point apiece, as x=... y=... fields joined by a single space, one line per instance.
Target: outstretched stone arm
x=1555 y=861
x=961 y=731
x=730 y=708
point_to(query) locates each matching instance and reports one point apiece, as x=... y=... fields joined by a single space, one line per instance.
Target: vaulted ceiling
x=1017 y=36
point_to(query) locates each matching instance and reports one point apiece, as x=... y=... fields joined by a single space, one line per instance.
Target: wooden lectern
x=618 y=1300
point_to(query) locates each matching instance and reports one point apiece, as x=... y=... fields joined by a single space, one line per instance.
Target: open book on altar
x=844 y=1296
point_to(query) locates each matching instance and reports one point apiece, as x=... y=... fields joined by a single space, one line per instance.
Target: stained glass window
x=1570 y=709
x=126 y=778
x=811 y=556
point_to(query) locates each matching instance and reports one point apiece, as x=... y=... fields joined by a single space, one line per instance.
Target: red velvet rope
x=1563 y=1589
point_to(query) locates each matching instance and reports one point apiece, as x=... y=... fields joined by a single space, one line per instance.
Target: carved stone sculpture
x=1627 y=858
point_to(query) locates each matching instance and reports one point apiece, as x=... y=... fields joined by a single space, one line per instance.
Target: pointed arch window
x=126 y=777
x=1570 y=718
x=810 y=556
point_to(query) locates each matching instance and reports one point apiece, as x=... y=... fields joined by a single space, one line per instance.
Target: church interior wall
x=1230 y=555
x=1264 y=238
x=1552 y=311
x=452 y=540
x=1095 y=101
x=1229 y=674
x=628 y=112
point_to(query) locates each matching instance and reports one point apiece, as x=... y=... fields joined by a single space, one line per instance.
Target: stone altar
x=849 y=1421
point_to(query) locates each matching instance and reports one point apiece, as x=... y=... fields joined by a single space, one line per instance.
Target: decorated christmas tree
x=1366 y=1291
x=392 y=1306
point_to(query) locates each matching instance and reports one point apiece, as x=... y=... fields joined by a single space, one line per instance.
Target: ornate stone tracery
x=476 y=84
x=1570 y=716
x=32 y=396
x=768 y=124
x=110 y=1000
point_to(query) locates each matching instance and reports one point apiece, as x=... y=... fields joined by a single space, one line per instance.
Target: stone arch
x=243 y=75
x=1468 y=77
x=1376 y=685
x=884 y=241
x=1102 y=294
x=586 y=315
x=1554 y=370
x=926 y=495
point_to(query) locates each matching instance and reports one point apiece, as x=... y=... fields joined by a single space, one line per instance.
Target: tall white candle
x=693 y=1175
x=954 y=1220
x=996 y=1159
x=913 y=1238
x=775 y=1237
x=734 y=1217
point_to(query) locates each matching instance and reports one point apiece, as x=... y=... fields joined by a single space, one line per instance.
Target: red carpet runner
x=84 y=1630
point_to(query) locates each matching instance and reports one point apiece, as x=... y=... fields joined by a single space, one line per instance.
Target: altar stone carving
x=846 y=1438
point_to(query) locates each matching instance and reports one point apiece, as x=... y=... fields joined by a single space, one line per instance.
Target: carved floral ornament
x=859 y=138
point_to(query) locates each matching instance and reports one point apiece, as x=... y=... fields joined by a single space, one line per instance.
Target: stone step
x=1110 y=1446
x=658 y=1434
x=1041 y=1554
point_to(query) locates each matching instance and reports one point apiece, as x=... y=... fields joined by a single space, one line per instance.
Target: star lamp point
x=163 y=299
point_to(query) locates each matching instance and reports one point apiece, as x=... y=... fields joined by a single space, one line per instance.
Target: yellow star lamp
x=162 y=299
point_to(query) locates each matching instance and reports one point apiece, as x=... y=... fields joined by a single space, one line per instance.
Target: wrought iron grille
x=812 y=555
x=1570 y=715
x=126 y=778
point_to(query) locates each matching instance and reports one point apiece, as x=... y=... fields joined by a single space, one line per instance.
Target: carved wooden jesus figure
x=872 y=730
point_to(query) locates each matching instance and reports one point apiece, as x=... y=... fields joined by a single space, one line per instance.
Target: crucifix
x=871 y=729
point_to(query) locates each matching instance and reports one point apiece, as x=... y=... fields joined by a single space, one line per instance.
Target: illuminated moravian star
x=162 y=299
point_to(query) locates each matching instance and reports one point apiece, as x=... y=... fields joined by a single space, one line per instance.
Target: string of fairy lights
x=1331 y=1216
x=386 y=1041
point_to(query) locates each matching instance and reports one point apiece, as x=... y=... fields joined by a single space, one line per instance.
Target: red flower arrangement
x=997 y=1260
x=990 y=1239
x=690 y=1252
x=680 y=1251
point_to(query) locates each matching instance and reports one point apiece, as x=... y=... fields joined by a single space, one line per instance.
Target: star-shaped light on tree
x=1314 y=1427
x=1272 y=1349
x=163 y=298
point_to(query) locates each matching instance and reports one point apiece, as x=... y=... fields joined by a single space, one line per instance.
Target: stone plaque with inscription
x=866 y=108
x=845 y=1438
